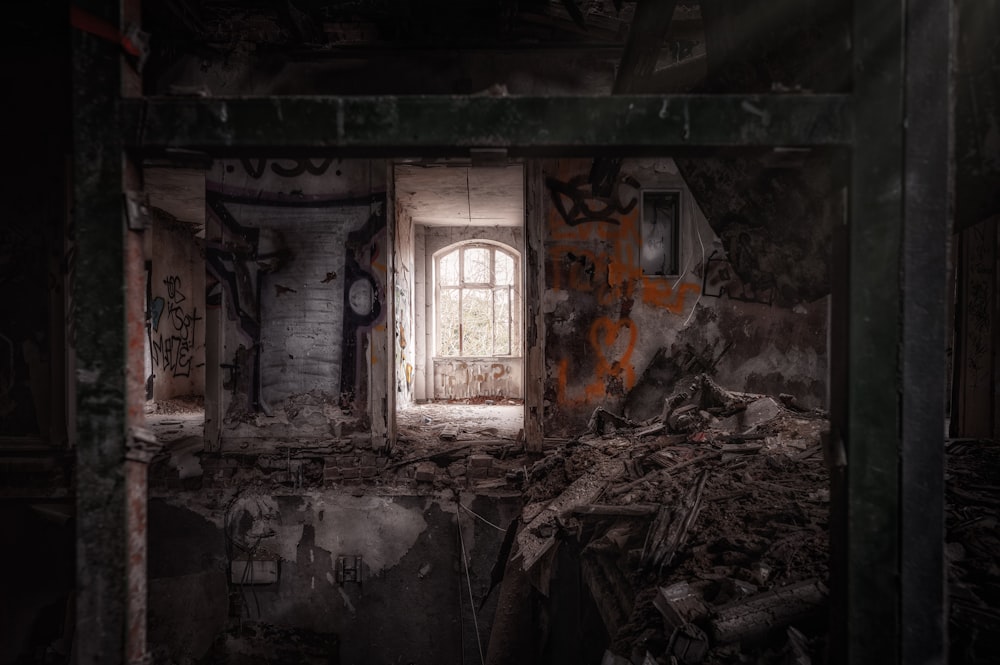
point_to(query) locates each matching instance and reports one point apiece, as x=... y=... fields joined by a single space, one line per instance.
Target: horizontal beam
x=419 y=125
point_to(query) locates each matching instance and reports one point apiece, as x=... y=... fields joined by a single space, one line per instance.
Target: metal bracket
x=349 y=569
x=137 y=210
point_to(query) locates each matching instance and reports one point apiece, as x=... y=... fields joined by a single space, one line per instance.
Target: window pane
x=449 y=269
x=477 y=323
x=659 y=233
x=477 y=265
x=501 y=315
x=503 y=271
x=448 y=323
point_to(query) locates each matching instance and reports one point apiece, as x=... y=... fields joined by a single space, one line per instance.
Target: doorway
x=459 y=271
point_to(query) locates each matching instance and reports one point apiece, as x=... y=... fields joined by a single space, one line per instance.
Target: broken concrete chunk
x=757 y=413
x=425 y=472
x=480 y=461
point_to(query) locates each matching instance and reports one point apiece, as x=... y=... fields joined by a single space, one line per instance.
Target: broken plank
x=606 y=510
x=424 y=458
x=741 y=447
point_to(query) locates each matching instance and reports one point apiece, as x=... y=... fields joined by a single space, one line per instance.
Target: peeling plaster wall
x=175 y=321
x=411 y=558
x=405 y=330
x=456 y=378
x=297 y=259
x=620 y=339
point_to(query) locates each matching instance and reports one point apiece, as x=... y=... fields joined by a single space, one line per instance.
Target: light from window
x=476 y=308
x=659 y=233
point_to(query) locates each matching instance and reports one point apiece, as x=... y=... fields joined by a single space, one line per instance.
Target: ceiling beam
x=413 y=125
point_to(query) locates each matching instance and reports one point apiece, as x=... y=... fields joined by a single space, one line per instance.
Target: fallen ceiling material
x=702 y=534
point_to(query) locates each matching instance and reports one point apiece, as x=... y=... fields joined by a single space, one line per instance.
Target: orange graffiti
x=613 y=350
x=604 y=345
x=409 y=374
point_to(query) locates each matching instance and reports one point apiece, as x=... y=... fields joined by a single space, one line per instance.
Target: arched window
x=478 y=313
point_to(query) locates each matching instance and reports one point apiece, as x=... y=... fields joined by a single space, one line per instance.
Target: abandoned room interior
x=500 y=331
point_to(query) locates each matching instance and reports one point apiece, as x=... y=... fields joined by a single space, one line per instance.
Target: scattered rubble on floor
x=702 y=534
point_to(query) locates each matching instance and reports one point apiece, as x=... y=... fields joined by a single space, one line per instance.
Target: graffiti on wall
x=286 y=168
x=721 y=278
x=593 y=248
x=612 y=343
x=172 y=322
x=247 y=250
x=364 y=292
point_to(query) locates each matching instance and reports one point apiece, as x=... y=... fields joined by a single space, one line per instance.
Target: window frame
x=513 y=291
x=678 y=195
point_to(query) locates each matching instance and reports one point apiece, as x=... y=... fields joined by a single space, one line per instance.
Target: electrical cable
x=475 y=514
x=468 y=579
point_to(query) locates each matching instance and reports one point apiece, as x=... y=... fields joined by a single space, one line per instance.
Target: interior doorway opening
x=457 y=300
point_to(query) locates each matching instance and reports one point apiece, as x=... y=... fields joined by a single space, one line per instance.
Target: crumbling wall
x=297 y=258
x=403 y=283
x=619 y=338
x=337 y=575
x=176 y=310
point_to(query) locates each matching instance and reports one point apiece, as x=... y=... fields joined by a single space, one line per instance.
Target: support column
x=871 y=431
x=534 y=319
x=928 y=183
x=99 y=316
x=142 y=446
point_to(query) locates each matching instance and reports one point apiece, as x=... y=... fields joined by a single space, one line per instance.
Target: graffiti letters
x=577 y=203
x=172 y=329
x=255 y=168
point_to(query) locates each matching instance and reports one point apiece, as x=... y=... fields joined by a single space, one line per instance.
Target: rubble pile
x=702 y=534
x=972 y=549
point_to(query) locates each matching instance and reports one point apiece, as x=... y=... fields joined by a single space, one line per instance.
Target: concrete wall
x=620 y=339
x=297 y=260
x=411 y=604
x=447 y=378
x=176 y=312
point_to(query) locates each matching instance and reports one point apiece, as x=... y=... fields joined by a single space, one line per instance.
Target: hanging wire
x=475 y=514
x=468 y=580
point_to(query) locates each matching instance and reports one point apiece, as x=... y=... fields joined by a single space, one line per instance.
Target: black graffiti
x=172 y=334
x=586 y=204
x=361 y=244
x=300 y=166
x=722 y=278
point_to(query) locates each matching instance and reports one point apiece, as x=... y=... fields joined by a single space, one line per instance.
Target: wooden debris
x=429 y=456
x=650 y=430
x=741 y=447
x=450 y=432
x=680 y=603
x=755 y=616
x=601 y=418
x=604 y=510
x=669 y=529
